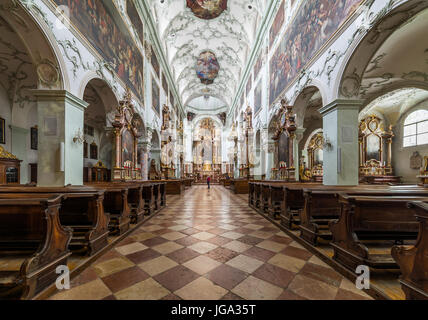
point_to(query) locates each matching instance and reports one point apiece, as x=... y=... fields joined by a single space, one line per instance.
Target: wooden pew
x=188 y=182
x=413 y=260
x=135 y=197
x=379 y=218
x=271 y=196
x=81 y=209
x=322 y=206
x=171 y=186
x=226 y=182
x=254 y=194
x=149 y=198
x=239 y=186
x=33 y=243
x=287 y=201
x=136 y=202
x=116 y=206
x=251 y=186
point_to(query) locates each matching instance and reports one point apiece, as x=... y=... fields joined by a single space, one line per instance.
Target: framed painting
x=312 y=26
x=249 y=85
x=93 y=151
x=2 y=131
x=34 y=137
x=135 y=19
x=85 y=150
x=207 y=9
x=164 y=84
x=277 y=24
x=155 y=97
x=258 y=97
x=155 y=63
x=258 y=65
x=101 y=24
x=127 y=147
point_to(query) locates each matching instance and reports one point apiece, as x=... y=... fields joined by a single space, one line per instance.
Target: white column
x=60 y=118
x=340 y=129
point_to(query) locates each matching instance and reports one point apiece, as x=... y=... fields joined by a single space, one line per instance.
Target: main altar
x=207 y=151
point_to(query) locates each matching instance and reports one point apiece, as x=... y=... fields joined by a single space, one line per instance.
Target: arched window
x=416 y=129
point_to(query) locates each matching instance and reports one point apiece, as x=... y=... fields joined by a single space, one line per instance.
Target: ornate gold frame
x=316 y=143
x=372 y=125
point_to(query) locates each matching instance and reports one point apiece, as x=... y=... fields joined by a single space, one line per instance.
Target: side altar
x=125 y=165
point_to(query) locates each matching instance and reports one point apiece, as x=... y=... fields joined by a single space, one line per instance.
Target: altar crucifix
x=125 y=165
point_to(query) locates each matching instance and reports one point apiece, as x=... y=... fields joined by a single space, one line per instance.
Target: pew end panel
x=35 y=224
x=413 y=260
x=378 y=218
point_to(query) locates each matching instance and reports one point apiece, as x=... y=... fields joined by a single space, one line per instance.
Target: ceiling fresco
x=207 y=9
x=230 y=37
x=207 y=67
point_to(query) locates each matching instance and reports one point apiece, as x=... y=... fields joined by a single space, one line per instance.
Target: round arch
x=364 y=47
x=41 y=45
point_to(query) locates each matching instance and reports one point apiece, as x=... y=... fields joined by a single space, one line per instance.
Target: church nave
x=209 y=245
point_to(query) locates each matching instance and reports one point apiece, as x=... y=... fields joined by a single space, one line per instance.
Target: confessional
x=375 y=148
x=10 y=167
x=97 y=173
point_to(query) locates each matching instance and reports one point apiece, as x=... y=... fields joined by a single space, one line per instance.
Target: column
x=270 y=159
x=19 y=149
x=299 y=135
x=145 y=149
x=340 y=129
x=60 y=151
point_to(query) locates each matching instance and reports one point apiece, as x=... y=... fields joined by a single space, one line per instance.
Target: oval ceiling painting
x=207 y=9
x=207 y=67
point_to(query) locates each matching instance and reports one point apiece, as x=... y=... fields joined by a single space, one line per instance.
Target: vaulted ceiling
x=230 y=36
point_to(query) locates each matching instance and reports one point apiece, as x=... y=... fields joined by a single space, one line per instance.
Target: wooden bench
x=135 y=198
x=171 y=186
x=188 y=182
x=159 y=192
x=149 y=198
x=116 y=206
x=254 y=194
x=81 y=209
x=33 y=243
x=239 y=186
x=322 y=206
x=269 y=196
x=413 y=260
x=379 y=218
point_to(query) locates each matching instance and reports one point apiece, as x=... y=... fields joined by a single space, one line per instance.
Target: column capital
x=340 y=104
x=59 y=95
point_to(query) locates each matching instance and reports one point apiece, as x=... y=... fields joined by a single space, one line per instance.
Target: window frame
x=416 y=129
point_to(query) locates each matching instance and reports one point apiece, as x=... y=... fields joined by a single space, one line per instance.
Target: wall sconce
x=78 y=137
x=327 y=145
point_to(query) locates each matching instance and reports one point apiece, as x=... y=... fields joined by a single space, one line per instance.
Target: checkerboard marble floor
x=209 y=244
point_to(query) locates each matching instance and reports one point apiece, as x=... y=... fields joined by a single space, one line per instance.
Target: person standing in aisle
x=208 y=181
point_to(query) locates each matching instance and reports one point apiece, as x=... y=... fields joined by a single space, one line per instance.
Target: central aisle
x=208 y=244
